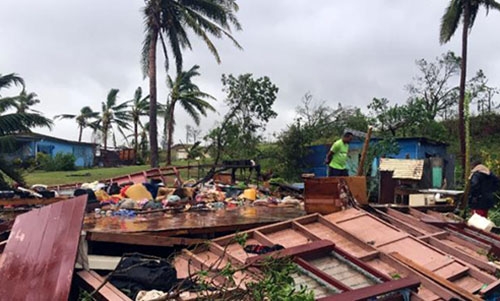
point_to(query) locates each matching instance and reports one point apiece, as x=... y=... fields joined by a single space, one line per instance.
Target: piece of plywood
x=39 y=258
x=403 y=168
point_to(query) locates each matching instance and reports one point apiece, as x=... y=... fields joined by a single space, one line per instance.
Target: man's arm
x=328 y=158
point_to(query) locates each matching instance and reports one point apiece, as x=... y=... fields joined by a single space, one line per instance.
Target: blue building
x=29 y=144
x=409 y=148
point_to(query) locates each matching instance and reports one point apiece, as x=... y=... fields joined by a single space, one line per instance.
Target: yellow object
x=138 y=192
x=250 y=194
x=101 y=195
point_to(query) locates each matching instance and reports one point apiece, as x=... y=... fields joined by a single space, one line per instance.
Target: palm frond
x=8 y=80
x=450 y=20
x=21 y=122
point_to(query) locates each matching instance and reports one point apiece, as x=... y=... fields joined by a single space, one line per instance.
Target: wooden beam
x=364 y=152
x=142 y=239
x=437 y=289
x=90 y=281
x=410 y=283
x=257 y=235
x=310 y=249
x=442 y=281
x=461 y=255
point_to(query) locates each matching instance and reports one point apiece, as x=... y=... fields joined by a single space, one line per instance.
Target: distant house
x=29 y=144
x=409 y=148
x=181 y=151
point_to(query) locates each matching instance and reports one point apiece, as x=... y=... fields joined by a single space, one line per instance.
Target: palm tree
x=83 y=119
x=465 y=10
x=168 y=20
x=184 y=92
x=12 y=123
x=25 y=100
x=139 y=108
x=111 y=114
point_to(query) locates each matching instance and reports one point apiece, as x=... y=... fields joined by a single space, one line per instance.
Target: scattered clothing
x=138 y=192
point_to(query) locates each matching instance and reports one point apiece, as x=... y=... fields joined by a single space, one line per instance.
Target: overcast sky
x=71 y=53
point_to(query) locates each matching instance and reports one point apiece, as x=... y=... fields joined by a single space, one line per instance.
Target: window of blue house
x=46 y=149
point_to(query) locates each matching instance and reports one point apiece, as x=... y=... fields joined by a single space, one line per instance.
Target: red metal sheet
x=39 y=258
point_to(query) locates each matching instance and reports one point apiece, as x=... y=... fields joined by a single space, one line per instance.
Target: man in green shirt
x=337 y=157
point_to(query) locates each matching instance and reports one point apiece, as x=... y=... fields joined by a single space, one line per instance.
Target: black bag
x=139 y=272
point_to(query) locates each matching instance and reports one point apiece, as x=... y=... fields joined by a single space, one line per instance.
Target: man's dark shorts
x=333 y=172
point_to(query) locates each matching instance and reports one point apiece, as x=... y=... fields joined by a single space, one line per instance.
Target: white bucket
x=480 y=222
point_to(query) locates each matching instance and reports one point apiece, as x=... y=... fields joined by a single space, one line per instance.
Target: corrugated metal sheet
x=38 y=261
x=403 y=169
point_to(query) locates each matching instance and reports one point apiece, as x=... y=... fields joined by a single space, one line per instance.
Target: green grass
x=95 y=174
x=82 y=175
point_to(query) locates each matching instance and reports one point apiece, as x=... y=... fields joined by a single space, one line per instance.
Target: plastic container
x=480 y=222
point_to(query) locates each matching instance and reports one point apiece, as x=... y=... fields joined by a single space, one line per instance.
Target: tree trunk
x=170 y=132
x=463 y=74
x=105 y=137
x=153 y=127
x=136 y=141
x=80 y=135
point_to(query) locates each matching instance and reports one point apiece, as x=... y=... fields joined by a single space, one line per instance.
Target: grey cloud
x=72 y=52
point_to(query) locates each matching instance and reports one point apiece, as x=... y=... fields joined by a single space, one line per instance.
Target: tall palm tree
x=139 y=107
x=111 y=114
x=185 y=93
x=12 y=123
x=167 y=20
x=84 y=119
x=465 y=11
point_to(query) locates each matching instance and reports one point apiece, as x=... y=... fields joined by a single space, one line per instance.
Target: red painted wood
x=312 y=249
x=39 y=258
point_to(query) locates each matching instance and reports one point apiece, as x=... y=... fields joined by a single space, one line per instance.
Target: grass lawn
x=95 y=174
x=82 y=175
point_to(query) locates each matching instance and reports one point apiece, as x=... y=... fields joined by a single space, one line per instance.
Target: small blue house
x=409 y=148
x=29 y=144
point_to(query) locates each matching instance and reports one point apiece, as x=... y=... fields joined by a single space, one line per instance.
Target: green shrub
x=60 y=162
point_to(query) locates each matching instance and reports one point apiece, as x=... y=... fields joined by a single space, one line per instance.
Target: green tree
x=481 y=93
x=139 y=107
x=431 y=85
x=249 y=102
x=12 y=123
x=466 y=11
x=188 y=95
x=112 y=114
x=85 y=119
x=168 y=21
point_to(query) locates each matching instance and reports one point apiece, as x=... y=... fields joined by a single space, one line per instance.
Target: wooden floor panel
x=416 y=251
x=345 y=244
x=370 y=230
x=320 y=289
x=288 y=238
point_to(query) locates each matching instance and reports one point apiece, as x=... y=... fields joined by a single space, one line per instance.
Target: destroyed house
x=409 y=148
x=29 y=144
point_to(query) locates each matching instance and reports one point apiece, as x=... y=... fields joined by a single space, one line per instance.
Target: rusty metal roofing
x=403 y=168
x=39 y=258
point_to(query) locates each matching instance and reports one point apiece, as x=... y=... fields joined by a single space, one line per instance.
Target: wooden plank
x=42 y=245
x=410 y=283
x=310 y=249
x=2 y=245
x=442 y=281
x=461 y=255
x=408 y=219
x=90 y=281
x=143 y=239
x=429 y=284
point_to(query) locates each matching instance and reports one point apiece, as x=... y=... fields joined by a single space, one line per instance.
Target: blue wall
x=415 y=148
x=84 y=153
